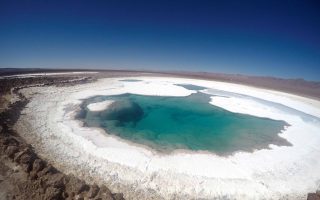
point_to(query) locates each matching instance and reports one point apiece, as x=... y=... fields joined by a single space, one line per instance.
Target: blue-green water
x=192 y=87
x=169 y=123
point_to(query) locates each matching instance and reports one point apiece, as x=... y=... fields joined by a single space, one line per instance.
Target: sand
x=140 y=173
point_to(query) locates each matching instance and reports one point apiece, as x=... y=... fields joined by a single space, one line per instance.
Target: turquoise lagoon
x=189 y=123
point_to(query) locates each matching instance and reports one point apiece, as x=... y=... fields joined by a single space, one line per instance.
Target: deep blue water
x=169 y=123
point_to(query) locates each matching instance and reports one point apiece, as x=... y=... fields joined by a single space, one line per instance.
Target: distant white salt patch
x=28 y=75
x=250 y=107
x=95 y=107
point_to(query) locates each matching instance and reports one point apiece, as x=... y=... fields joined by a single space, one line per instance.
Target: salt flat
x=28 y=75
x=141 y=173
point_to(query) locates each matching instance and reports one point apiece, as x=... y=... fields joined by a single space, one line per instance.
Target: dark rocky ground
x=24 y=175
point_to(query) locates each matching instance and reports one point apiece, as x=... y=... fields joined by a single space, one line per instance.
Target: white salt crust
x=287 y=172
x=103 y=105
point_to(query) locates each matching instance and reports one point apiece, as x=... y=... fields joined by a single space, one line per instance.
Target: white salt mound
x=95 y=107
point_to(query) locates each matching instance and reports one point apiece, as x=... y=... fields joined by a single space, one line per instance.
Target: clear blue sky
x=270 y=38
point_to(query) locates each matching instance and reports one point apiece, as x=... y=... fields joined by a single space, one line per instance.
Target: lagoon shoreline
x=124 y=76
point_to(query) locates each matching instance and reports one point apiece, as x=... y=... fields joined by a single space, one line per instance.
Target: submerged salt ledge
x=268 y=173
x=99 y=106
